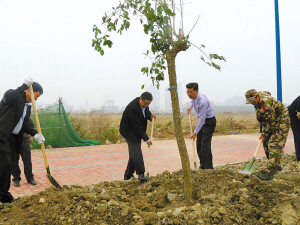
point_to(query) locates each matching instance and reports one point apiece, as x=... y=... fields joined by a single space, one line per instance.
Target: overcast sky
x=50 y=41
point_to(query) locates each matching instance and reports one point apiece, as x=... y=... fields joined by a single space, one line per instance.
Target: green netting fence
x=57 y=129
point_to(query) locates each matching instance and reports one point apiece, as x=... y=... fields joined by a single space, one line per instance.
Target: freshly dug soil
x=220 y=196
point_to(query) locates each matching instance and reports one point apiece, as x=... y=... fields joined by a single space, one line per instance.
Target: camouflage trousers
x=274 y=145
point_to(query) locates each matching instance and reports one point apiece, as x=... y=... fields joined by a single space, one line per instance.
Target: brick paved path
x=93 y=164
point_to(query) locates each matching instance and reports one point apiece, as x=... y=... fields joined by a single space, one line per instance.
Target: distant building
x=110 y=107
x=168 y=101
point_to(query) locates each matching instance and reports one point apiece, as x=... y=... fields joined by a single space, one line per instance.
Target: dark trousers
x=295 y=124
x=204 y=138
x=5 y=165
x=25 y=153
x=136 y=160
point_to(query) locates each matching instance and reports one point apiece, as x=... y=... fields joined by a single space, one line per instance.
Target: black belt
x=210 y=118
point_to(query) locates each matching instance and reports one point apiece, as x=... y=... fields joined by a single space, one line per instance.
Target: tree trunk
x=185 y=162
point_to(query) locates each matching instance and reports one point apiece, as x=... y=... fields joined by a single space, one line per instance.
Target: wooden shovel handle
x=149 y=153
x=38 y=124
x=152 y=129
x=193 y=141
x=258 y=146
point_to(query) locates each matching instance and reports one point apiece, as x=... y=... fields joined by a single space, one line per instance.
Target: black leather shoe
x=142 y=178
x=7 y=198
x=126 y=177
x=32 y=182
x=17 y=183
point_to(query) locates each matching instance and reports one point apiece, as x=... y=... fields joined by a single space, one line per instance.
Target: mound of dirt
x=220 y=196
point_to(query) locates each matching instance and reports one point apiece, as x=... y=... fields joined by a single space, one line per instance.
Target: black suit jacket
x=11 y=110
x=294 y=108
x=133 y=124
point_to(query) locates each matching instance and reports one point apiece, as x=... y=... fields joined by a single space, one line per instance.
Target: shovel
x=51 y=179
x=249 y=168
x=194 y=147
x=149 y=155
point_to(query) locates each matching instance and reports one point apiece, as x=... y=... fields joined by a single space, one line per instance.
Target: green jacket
x=272 y=114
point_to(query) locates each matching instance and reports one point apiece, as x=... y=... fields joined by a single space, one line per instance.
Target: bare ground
x=220 y=196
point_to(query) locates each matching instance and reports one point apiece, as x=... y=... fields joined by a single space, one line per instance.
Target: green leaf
x=159 y=12
x=101 y=52
x=216 y=66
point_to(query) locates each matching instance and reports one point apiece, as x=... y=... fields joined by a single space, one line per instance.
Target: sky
x=50 y=41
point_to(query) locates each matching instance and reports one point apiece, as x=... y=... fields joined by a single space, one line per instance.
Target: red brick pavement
x=93 y=164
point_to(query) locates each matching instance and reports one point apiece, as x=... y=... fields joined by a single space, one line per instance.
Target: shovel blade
x=252 y=168
x=51 y=179
x=248 y=169
x=244 y=171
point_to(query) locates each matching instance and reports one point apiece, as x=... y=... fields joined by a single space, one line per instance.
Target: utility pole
x=278 y=57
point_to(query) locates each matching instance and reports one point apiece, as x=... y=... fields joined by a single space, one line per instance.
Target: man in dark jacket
x=14 y=114
x=133 y=128
x=25 y=153
x=294 y=111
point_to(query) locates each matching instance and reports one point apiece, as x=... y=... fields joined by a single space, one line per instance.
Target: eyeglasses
x=189 y=92
x=145 y=103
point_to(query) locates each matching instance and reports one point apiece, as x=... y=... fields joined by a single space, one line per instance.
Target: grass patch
x=101 y=127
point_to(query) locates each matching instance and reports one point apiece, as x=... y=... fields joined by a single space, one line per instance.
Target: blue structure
x=278 y=57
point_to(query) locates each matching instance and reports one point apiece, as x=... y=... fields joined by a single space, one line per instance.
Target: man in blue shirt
x=205 y=127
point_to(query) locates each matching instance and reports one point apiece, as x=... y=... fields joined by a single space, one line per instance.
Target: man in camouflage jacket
x=275 y=120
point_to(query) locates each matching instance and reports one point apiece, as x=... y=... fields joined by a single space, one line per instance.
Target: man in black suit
x=25 y=153
x=133 y=128
x=14 y=115
x=294 y=110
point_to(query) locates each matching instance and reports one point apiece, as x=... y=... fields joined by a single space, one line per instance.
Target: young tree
x=158 y=20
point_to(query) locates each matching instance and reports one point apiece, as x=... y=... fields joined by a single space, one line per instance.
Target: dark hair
x=146 y=96
x=192 y=85
x=37 y=87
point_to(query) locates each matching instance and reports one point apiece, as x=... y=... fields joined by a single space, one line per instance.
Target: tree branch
x=194 y=25
x=201 y=51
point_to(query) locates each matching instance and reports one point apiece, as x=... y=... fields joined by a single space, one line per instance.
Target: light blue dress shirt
x=203 y=110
